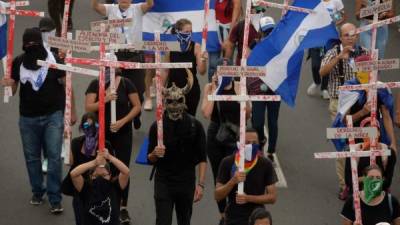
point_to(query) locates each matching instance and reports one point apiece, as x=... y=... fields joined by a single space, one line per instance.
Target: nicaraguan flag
x=166 y=12
x=282 y=51
x=3 y=32
x=348 y=98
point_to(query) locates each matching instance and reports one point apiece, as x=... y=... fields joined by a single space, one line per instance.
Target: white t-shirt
x=134 y=32
x=334 y=7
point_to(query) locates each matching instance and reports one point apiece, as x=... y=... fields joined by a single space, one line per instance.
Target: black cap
x=32 y=36
x=46 y=24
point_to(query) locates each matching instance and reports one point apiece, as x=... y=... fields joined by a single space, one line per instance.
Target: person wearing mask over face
x=56 y=12
x=175 y=162
x=83 y=150
x=260 y=216
x=221 y=113
x=41 y=122
x=190 y=52
x=256 y=86
x=376 y=205
x=236 y=35
x=119 y=133
x=101 y=192
x=338 y=64
x=259 y=179
x=227 y=14
x=385 y=163
x=133 y=34
x=383 y=31
x=336 y=10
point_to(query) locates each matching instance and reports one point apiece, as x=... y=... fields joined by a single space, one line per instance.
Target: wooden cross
x=12 y=11
x=373 y=75
x=157 y=46
x=351 y=133
x=244 y=71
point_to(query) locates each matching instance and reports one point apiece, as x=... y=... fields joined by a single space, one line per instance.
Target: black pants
x=216 y=154
x=56 y=12
x=170 y=195
x=316 y=58
x=78 y=210
x=122 y=144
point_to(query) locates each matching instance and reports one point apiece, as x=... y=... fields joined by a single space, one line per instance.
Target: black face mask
x=32 y=54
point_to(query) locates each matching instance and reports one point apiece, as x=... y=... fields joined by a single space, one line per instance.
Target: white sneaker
x=325 y=95
x=312 y=89
x=148 y=104
x=44 y=165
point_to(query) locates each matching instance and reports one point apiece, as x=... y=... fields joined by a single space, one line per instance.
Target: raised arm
x=207 y=106
x=147 y=6
x=98 y=7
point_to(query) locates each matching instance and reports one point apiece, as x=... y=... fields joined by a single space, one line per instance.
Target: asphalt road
x=311 y=196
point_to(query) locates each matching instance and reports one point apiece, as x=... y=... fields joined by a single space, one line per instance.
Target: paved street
x=309 y=199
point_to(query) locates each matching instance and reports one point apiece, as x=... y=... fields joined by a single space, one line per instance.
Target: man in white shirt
x=133 y=33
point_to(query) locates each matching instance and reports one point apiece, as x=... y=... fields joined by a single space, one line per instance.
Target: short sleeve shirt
x=371 y=215
x=334 y=7
x=236 y=37
x=261 y=176
x=134 y=32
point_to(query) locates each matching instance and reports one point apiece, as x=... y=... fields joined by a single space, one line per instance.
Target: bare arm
x=223 y=190
x=269 y=197
x=229 y=48
x=135 y=102
x=98 y=7
x=76 y=174
x=123 y=176
x=201 y=59
x=388 y=123
x=343 y=19
x=202 y=172
x=206 y=105
x=147 y=6
x=347 y=222
x=358 y=8
x=237 y=9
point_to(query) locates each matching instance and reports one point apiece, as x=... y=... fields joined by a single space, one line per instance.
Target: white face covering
x=45 y=37
x=255 y=20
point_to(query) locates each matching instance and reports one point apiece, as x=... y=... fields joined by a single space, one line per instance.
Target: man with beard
x=175 y=163
x=41 y=119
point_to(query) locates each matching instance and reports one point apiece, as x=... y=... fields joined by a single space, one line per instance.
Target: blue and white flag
x=282 y=51
x=348 y=98
x=166 y=12
x=3 y=32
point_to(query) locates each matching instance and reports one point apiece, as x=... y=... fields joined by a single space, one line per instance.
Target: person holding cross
x=385 y=163
x=259 y=179
x=338 y=64
x=133 y=33
x=382 y=32
x=376 y=205
x=41 y=121
x=175 y=162
x=56 y=12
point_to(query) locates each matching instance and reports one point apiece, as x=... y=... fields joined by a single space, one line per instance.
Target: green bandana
x=372 y=188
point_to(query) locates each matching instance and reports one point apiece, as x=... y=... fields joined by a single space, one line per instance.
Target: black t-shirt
x=359 y=106
x=123 y=104
x=371 y=215
x=48 y=99
x=101 y=208
x=364 y=162
x=185 y=147
x=230 y=111
x=179 y=76
x=261 y=176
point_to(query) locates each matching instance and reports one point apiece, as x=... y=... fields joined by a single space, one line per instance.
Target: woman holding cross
x=376 y=205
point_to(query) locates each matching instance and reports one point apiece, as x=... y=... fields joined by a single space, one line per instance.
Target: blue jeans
x=258 y=120
x=381 y=38
x=212 y=63
x=37 y=133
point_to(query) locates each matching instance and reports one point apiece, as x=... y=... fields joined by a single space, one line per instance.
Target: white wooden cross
x=12 y=11
x=156 y=46
x=351 y=133
x=244 y=71
x=373 y=75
